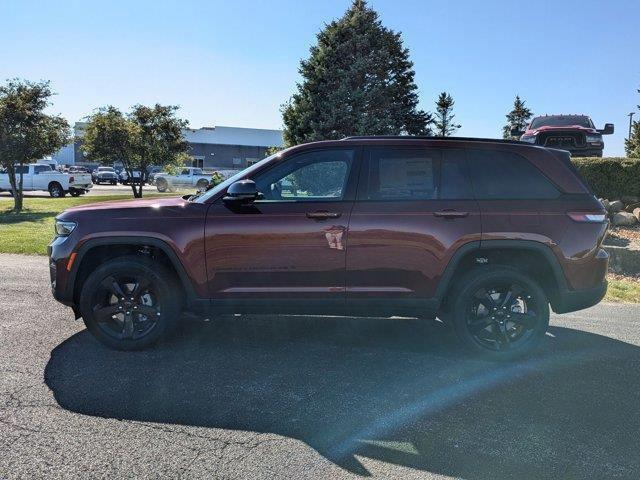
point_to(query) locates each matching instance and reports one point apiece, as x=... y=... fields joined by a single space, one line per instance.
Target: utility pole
x=630 y=124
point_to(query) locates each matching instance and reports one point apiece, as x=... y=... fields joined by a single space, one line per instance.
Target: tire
x=162 y=185
x=114 y=182
x=153 y=289
x=56 y=190
x=201 y=185
x=499 y=312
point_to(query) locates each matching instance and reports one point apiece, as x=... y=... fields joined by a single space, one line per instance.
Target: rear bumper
x=573 y=300
x=81 y=186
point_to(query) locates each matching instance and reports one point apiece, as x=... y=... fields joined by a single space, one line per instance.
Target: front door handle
x=451 y=214
x=323 y=215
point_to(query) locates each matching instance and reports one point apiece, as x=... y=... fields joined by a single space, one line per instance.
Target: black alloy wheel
x=499 y=312
x=502 y=317
x=130 y=302
x=126 y=307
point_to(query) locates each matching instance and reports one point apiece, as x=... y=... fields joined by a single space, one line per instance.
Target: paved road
x=276 y=397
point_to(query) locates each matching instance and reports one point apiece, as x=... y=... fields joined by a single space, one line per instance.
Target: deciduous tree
x=144 y=137
x=26 y=132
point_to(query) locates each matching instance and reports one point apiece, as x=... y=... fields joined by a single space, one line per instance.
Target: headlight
x=528 y=138
x=594 y=138
x=64 y=229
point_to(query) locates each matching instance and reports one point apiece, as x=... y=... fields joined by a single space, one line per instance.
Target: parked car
x=151 y=173
x=188 y=177
x=104 y=175
x=575 y=133
x=40 y=177
x=485 y=234
x=135 y=174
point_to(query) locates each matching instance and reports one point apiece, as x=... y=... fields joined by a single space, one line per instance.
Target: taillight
x=587 y=217
x=71 y=179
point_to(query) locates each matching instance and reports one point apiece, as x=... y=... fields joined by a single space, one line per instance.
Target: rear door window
x=498 y=175
x=403 y=174
x=414 y=173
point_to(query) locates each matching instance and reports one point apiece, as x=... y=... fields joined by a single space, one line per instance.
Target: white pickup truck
x=39 y=176
x=188 y=177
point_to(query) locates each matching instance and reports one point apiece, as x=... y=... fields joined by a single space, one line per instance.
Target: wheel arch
x=100 y=249
x=528 y=256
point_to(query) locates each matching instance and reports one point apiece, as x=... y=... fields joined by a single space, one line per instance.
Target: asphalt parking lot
x=309 y=397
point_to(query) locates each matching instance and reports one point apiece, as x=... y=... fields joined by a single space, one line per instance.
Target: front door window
x=314 y=176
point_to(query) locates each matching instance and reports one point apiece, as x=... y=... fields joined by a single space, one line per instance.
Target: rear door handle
x=451 y=214
x=323 y=215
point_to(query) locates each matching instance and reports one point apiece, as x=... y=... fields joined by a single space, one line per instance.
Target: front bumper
x=588 y=151
x=59 y=252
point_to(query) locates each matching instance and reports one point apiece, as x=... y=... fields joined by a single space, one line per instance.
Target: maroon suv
x=485 y=234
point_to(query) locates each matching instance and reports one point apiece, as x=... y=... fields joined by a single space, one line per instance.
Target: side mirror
x=607 y=130
x=242 y=192
x=516 y=133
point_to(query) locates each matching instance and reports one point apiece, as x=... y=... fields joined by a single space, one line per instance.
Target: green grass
x=623 y=289
x=30 y=231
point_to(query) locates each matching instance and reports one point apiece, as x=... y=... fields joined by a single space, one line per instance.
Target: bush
x=611 y=177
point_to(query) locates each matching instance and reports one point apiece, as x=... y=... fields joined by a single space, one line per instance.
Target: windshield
x=234 y=178
x=561 y=121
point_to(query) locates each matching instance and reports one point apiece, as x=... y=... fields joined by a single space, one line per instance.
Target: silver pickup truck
x=188 y=177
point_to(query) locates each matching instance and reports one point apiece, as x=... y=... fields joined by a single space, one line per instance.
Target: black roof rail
x=426 y=137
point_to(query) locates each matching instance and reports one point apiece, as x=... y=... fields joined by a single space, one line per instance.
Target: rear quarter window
x=498 y=175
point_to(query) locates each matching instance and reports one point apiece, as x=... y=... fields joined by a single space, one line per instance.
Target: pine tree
x=444 y=116
x=517 y=119
x=632 y=144
x=358 y=80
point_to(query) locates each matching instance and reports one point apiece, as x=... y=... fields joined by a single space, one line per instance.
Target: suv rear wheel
x=129 y=303
x=499 y=312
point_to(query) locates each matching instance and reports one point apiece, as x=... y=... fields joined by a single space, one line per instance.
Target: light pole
x=630 y=124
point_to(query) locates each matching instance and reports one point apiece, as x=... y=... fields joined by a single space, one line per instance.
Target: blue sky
x=234 y=63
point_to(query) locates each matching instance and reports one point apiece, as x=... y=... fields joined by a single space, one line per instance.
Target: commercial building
x=211 y=147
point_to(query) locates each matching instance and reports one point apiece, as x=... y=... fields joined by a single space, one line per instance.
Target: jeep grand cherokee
x=486 y=234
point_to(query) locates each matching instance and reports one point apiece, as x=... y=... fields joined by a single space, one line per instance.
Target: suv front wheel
x=129 y=303
x=499 y=312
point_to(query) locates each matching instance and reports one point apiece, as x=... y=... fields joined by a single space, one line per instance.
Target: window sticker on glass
x=402 y=175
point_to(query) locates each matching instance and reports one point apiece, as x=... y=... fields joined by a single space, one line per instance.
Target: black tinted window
x=454 y=183
x=503 y=175
x=403 y=174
